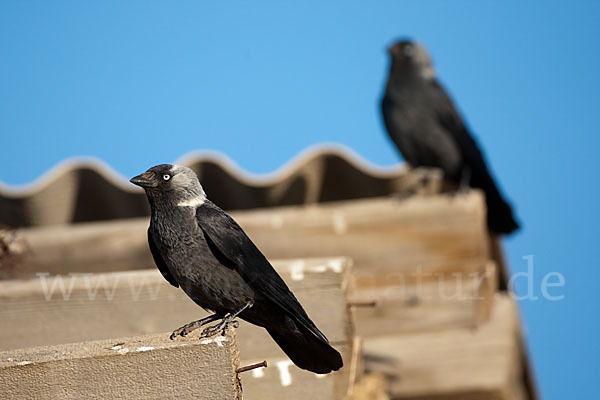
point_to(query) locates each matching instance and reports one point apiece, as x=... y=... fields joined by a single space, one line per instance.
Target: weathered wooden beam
x=119 y=245
x=371 y=387
x=122 y=304
x=283 y=380
x=457 y=301
x=97 y=306
x=149 y=367
x=77 y=307
x=482 y=363
x=389 y=239
x=323 y=287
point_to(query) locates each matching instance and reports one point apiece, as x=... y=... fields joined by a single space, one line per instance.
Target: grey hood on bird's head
x=171 y=184
x=408 y=56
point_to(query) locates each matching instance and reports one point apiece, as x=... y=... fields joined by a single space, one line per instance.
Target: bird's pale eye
x=166 y=177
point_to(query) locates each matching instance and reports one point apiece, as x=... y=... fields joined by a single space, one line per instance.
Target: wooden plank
x=101 y=306
x=283 y=380
x=371 y=387
x=464 y=301
x=149 y=367
x=388 y=239
x=483 y=363
x=138 y=302
x=119 y=245
x=288 y=382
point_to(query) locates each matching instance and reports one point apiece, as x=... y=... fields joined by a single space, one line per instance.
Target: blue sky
x=137 y=83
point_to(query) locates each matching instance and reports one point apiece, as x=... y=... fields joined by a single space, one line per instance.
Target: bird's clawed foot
x=223 y=326
x=220 y=328
x=192 y=326
x=184 y=330
x=465 y=181
x=420 y=181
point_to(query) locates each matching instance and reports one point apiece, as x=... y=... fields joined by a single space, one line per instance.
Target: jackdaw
x=423 y=123
x=201 y=249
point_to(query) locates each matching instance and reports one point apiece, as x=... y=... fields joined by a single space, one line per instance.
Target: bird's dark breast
x=418 y=135
x=199 y=273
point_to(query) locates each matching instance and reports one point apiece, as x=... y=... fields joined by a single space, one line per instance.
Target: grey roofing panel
x=81 y=191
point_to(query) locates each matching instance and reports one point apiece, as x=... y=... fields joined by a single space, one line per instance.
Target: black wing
x=160 y=263
x=500 y=217
x=230 y=242
x=451 y=120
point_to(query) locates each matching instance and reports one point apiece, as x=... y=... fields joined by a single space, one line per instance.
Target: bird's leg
x=223 y=326
x=192 y=326
x=405 y=194
x=465 y=180
x=421 y=180
x=409 y=189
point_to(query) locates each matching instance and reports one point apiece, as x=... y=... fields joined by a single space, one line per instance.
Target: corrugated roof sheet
x=89 y=190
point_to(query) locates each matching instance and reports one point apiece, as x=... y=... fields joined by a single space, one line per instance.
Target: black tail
x=500 y=218
x=308 y=351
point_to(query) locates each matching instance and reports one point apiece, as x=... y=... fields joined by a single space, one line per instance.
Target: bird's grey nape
x=189 y=190
x=424 y=62
x=428 y=72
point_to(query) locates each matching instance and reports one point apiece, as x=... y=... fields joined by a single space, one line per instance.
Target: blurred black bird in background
x=201 y=249
x=426 y=128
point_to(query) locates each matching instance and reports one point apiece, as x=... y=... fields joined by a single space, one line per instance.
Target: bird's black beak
x=145 y=180
x=394 y=50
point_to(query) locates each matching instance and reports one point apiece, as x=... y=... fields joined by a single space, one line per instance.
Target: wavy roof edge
x=198 y=156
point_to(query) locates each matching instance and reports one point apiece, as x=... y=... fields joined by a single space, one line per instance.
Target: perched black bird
x=201 y=249
x=426 y=128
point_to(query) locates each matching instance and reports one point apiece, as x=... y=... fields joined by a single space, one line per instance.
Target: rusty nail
x=251 y=367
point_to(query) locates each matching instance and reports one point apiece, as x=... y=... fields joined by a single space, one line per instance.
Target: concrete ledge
x=148 y=367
